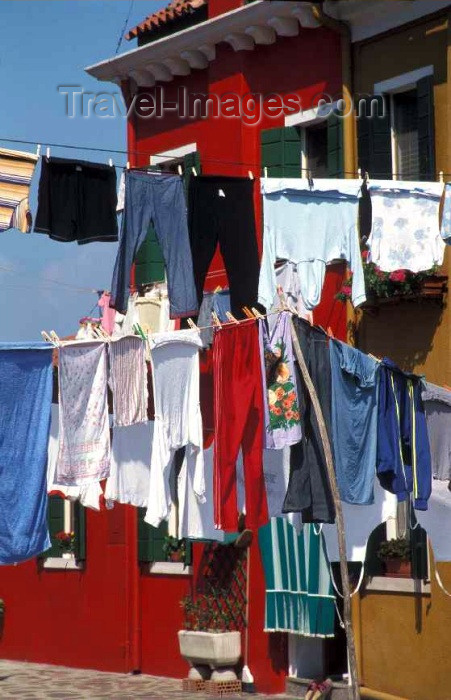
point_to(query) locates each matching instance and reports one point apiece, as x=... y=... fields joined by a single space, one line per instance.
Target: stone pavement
x=25 y=681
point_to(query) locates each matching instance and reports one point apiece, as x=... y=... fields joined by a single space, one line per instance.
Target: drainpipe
x=349 y=122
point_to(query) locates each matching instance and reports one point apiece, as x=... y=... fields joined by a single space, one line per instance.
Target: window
x=404 y=120
x=65 y=516
x=314 y=150
x=396 y=128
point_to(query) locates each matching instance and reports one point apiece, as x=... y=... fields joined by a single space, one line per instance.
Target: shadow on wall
x=405 y=333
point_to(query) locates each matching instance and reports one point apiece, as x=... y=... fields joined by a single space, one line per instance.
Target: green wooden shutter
x=281 y=151
x=55 y=516
x=80 y=530
x=426 y=130
x=374 y=138
x=335 y=155
x=150 y=539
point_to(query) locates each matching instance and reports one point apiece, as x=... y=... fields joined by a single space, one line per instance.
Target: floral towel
x=282 y=417
x=84 y=445
x=405 y=233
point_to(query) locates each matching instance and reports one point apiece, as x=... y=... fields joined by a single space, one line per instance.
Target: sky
x=46 y=284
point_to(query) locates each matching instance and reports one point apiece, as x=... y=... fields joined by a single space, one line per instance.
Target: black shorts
x=77 y=201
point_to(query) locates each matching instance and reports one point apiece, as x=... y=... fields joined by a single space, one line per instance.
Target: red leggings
x=239 y=422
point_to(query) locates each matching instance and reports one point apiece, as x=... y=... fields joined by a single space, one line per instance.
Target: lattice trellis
x=221 y=583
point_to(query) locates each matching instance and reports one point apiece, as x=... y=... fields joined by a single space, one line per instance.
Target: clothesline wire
x=66 y=285
x=164 y=154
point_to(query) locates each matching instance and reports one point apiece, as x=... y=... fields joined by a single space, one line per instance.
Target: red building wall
x=111 y=616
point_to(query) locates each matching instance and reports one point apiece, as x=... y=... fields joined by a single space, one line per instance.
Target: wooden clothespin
x=54 y=337
x=191 y=324
x=47 y=338
x=248 y=312
x=265 y=172
x=231 y=317
x=194 y=171
x=330 y=332
x=217 y=289
x=127 y=167
x=110 y=162
x=256 y=313
x=38 y=150
x=441 y=177
x=47 y=152
x=251 y=175
x=180 y=170
x=216 y=320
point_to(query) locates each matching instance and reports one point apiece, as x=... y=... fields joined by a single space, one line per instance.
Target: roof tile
x=175 y=9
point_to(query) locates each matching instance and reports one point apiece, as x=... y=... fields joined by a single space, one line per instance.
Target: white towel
x=130 y=465
x=84 y=448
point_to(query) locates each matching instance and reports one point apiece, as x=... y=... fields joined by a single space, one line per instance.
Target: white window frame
x=398 y=84
x=69 y=524
x=173 y=154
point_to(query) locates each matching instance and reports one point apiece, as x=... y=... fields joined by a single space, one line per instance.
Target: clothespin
x=373 y=357
x=216 y=320
x=251 y=175
x=191 y=324
x=256 y=312
x=47 y=338
x=54 y=337
x=194 y=171
x=231 y=317
x=38 y=150
x=248 y=312
x=330 y=332
x=128 y=165
x=47 y=152
x=359 y=173
x=265 y=172
x=217 y=289
x=441 y=177
x=110 y=162
x=180 y=170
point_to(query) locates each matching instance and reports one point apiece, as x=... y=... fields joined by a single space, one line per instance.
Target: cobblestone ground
x=24 y=681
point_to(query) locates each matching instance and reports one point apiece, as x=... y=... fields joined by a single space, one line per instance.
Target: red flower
x=346 y=289
x=365 y=254
x=398 y=276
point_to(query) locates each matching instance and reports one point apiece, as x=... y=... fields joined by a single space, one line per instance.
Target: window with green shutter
x=149 y=262
x=151 y=541
x=59 y=522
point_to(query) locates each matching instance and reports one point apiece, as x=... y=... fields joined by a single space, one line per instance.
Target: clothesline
x=163 y=154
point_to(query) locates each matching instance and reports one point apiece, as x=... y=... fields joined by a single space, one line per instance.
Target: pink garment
x=108 y=315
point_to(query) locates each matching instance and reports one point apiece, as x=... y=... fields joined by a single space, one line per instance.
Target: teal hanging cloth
x=299 y=596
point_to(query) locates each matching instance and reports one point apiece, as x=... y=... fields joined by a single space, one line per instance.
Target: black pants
x=221 y=209
x=308 y=487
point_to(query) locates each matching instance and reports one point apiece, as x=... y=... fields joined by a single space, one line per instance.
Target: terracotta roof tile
x=175 y=9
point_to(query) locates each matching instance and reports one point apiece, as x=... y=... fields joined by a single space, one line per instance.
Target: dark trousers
x=221 y=210
x=308 y=487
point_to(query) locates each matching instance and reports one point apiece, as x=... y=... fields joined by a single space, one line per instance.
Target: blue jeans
x=160 y=199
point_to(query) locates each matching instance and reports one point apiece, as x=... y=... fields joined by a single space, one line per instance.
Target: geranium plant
x=384 y=285
x=66 y=541
x=203 y=614
x=394 y=549
x=174 y=549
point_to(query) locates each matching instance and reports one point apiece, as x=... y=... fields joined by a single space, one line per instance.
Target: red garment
x=239 y=419
x=206 y=396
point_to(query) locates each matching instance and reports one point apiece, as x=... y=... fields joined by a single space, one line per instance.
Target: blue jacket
x=403 y=454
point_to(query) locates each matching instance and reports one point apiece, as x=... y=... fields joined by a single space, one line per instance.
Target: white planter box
x=214 y=649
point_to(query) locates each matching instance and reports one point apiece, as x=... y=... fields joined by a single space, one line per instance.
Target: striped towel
x=299 y=595
x=16 y=172
x=128 y=379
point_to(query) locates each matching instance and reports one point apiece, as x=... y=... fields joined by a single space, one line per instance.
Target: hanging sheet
x=25 y=400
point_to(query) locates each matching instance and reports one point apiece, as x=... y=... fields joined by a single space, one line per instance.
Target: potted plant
x=208 y=641
x=66 y=542
x=396 y=555
x=174 y=549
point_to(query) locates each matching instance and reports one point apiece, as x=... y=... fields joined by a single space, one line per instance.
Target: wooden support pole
x=338 y=513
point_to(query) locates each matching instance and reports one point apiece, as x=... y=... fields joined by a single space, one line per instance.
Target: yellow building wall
x=415 y=335
x=405 y=646
x=404 y=641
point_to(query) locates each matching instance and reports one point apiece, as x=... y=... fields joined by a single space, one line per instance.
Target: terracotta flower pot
x=397 y=568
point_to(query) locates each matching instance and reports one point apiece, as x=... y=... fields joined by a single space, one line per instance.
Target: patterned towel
x=16 y=172
x=128 y=376
x=84 y=447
